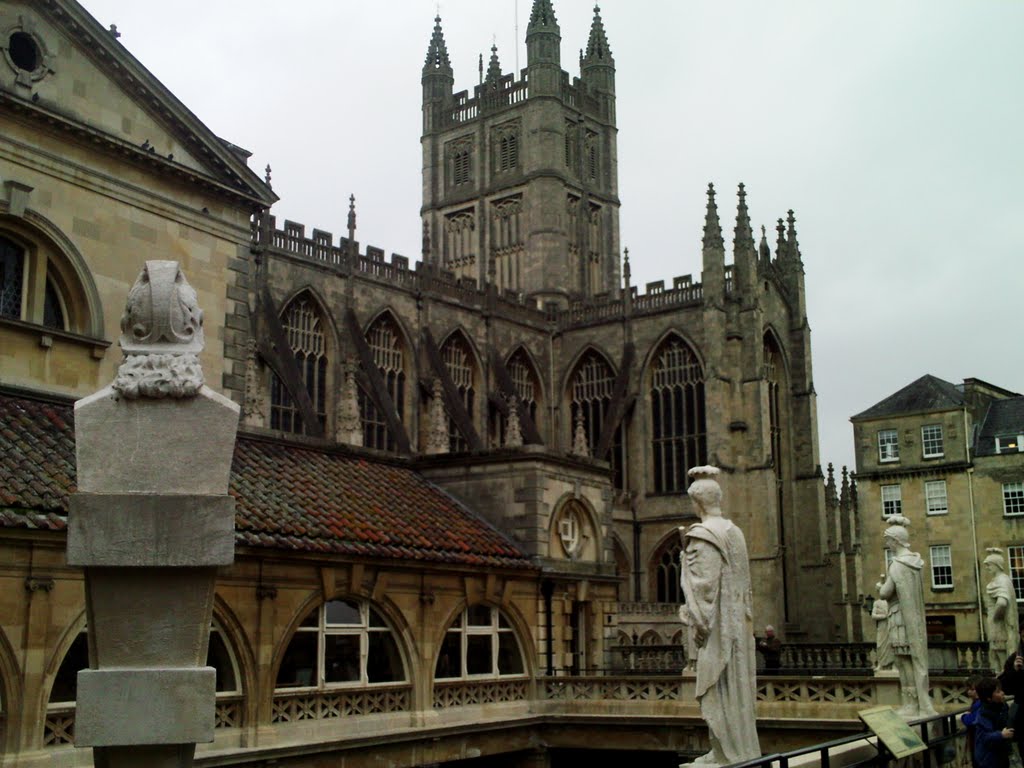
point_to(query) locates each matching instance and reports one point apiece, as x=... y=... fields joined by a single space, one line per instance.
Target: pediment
x=57 y=64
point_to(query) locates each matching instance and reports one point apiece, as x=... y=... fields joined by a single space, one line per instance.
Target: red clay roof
x=288 y=496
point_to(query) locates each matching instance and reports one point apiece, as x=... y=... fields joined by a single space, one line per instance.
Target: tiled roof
x=929 y=393
x=289 y=496
x=1005 y=418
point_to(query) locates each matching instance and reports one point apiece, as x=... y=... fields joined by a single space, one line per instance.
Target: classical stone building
x=456 y=479
x=949 y=458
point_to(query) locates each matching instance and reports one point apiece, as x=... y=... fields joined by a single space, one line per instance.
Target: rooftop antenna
x=516 y=5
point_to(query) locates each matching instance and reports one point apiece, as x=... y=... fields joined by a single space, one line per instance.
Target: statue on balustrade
x=905 y=622
x=1000 y=611
x=719 y=621
x=883 y=648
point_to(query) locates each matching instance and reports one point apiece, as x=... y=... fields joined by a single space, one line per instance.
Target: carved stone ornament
x=437 y=436
x=350 y=425
x=513 y=432
x=580 y=446
x=252 y=405
x=161 y=336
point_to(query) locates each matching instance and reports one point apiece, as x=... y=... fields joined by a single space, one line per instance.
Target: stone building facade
x=485 y=449
x=947 y=457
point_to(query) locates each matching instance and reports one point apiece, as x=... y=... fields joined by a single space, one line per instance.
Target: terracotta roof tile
x=288 y=496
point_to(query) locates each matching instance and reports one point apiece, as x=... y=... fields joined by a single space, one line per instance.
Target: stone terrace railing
x=325 y=705
x=944 y=658
x=372 y=710
x=471 y=692
x=59 y=728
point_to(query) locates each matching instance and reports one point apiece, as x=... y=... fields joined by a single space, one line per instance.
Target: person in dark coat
x=992 y=736
x=1012 y=681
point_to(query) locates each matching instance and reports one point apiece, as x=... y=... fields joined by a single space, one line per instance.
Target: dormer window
x=1010 y=444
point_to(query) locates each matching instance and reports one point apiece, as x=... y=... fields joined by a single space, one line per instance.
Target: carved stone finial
x=266 y=176
x=252 y=405
x=113 y=31
x=580 y=446
x=350 y=427
x=513 y=432
x=161 y=335
x=437 y=437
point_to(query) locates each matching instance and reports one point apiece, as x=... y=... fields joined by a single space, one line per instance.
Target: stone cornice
x=135 y=79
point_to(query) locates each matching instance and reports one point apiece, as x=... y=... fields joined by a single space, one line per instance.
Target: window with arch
x=34 y=289
x=678 y=424
x=386 y=347
x=591 y=393
x=479 y=643
x=64 y=691
x=303 y=327
x=343 y=642
x=667 y=588
x=458 y=360
x=527 y=389
x=773 y=373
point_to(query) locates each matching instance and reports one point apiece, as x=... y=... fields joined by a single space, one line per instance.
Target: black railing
x=942 y=747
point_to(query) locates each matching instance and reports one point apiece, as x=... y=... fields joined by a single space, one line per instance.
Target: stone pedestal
x=150 y=524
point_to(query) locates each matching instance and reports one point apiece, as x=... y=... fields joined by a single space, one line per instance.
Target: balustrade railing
x=59 y=727
x=472 y=692
x=325 y=705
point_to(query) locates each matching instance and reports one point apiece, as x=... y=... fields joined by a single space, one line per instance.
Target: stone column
x=150 y=524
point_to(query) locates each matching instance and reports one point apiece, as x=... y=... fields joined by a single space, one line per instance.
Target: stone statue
x=717 y=613
x=883 y=648
x=1000 y=611
x=905 y=621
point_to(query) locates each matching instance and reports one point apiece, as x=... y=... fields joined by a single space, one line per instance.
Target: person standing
x=716 y=583
x=1012 y=681
x=771 y=649
x=992 y=736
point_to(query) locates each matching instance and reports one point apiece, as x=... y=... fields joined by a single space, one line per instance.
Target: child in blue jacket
x=991 y=736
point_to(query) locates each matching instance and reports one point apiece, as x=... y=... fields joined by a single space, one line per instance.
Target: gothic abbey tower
x=520 y=197
x=520 y=183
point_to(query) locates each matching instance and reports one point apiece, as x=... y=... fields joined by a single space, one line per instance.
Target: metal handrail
x=949 y=731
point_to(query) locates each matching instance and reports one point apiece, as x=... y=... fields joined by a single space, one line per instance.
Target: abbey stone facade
x=456 y=479
x=523 y=300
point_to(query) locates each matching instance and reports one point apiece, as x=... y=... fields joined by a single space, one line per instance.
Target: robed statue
x=717 y=613
x=903 y=589
x=1000 y=611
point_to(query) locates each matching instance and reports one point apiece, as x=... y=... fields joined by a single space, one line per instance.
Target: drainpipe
x=547 y=590
x=974 y=531
x=636 y=553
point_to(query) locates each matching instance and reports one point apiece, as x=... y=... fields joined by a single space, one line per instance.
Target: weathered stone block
x=144 y=706
x=127 y=529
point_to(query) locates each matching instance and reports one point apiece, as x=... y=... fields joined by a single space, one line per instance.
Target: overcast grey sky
x=893 y=129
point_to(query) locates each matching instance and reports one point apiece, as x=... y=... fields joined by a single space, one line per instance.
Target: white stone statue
x=718 y=616
x=1000 y=611
x=908 y=638
x=883 y=648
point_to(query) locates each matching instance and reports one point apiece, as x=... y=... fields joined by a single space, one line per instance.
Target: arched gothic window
x=458 y=360
x=527 y=389
x=666 y=575
x=341 y=643
x=386 y=346
x=591 y=392
x=773 y=373
x=678 y=425
x=304 y=331
x=479 y=643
